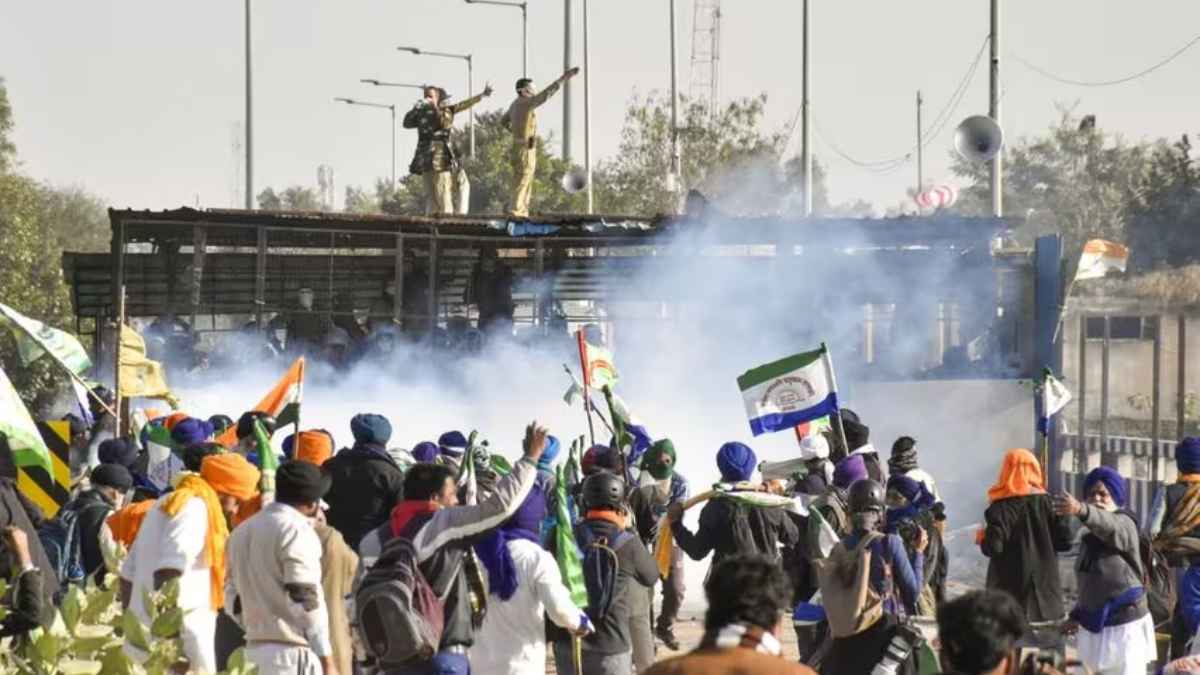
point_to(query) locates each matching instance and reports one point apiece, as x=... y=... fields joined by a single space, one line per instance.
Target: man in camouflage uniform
x=521 y=120
x=433 y=118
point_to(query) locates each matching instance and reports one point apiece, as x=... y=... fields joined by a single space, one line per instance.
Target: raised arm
x=552 y=88
x=702 y=542
x=469 y=103
x=466 y=522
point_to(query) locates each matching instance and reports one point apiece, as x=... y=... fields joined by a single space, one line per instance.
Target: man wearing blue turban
x=1116 y=631
x=731 y=523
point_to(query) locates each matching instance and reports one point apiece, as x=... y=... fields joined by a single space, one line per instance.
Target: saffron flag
x=139 y=375
x=282 y=402
x=1099 y=258
x=566 y=554
x=598 y=368
x=789 y=392
x=24 y=439
x=35 y=339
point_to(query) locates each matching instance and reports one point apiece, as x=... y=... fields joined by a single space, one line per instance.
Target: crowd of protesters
x=849 y=548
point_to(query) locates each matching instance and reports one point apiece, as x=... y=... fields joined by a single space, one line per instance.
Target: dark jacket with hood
x=367 y=484
x=728 y=526
x=93 y=508
x=636 y=573
x=28 y=600
x=1023 y=537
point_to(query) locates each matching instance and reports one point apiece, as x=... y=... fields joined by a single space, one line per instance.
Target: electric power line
x=1107 y=83
x=935 y=128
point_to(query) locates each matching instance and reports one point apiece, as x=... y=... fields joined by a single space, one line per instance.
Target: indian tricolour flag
x=1101 y=257
x=282 y=402
x=790 y=391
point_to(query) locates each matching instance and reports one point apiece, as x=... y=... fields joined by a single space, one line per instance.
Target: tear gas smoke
x=683 y=326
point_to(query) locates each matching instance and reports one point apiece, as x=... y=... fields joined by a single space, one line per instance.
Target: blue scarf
x=919 y=500
x=493 y=550
x=1095 y=620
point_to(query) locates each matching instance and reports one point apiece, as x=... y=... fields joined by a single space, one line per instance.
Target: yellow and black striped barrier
x=50 y=492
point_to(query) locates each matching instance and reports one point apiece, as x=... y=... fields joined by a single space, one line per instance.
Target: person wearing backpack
x=1022 y=537
x=730 y=525
x=649 y=504
x=746 y=597
x=615 y=567
x=868 y=585
x=110 y=483
x=412 y=604
x=1115 y=632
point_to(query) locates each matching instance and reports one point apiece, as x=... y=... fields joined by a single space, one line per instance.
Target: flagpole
x=587 y=385
x=841 y=429
x=588 y=398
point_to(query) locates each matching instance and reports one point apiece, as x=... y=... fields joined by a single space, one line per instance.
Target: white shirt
x=512 y=640
x=275 y=547
x=176 y=543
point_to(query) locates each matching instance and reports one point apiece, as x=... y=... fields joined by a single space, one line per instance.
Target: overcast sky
x=139 y=100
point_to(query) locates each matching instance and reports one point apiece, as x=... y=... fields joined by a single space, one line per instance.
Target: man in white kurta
x=175 y=541
x=273 y=585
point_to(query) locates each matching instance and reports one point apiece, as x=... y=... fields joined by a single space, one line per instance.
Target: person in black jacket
x=109 y=484
x=730 y=525
x=1022 y=536
x=26 y=600
x=609 y=650
x=367 y=482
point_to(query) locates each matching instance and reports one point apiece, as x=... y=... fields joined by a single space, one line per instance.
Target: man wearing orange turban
x=183 y=537
x=1022 y=536
x=314 y=447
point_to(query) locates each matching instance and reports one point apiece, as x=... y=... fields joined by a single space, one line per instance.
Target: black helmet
x=866 y=495
x=220 y=422
x=245 y=424
x=603 y=489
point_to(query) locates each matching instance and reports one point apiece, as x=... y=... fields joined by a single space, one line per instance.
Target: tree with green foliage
x=728 y=157
x=1164 y=221
x=292 y=198
x=1074 y=179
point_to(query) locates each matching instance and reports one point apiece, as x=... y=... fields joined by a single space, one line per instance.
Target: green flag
x=267 y=461
x=28 y=448
x=566 y=552
x=35 y=339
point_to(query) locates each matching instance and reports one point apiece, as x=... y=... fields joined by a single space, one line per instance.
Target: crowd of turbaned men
x=445 y=558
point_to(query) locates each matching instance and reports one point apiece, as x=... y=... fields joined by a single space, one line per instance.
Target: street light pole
x=994 y=109
x=587 y=107
x=676 y=162
x=249 y=121
x=566 y=88
x=524 y=7
x=805 y=112
x=388 y=106
x=470 y=85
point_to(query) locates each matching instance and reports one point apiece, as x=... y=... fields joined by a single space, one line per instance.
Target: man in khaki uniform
x=434 y=159
x=521 y=120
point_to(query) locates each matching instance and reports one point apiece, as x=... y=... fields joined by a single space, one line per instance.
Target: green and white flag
x=24 y=440
x=35 y=339
x=570 y=562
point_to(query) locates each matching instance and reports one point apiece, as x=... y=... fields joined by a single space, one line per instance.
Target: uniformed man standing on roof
x=433 y=118
x=521 y=120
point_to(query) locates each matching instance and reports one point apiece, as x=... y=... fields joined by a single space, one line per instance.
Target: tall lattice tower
x=706 y=54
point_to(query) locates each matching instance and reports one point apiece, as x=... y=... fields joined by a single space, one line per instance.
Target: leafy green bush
x=88 y=630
